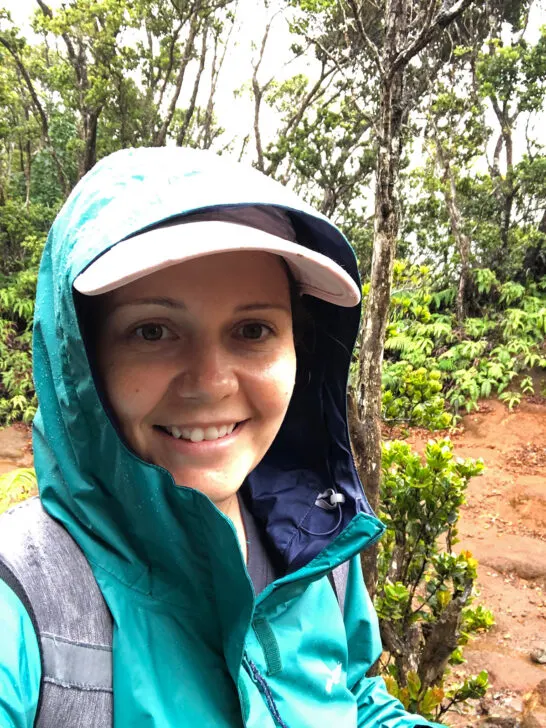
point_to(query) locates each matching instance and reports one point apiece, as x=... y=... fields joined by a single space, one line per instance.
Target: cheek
x=276 y=384
x=129 y=389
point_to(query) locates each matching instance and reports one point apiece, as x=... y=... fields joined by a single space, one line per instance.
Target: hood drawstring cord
x=329 y=500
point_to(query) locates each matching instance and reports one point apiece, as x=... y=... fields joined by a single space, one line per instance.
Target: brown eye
x=254 y=331
x=151 y=332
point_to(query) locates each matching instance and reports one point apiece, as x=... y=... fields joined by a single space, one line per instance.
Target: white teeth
x=211 y=433
x=198 y=434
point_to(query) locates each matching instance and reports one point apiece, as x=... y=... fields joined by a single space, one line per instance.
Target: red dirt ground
x=504 y=526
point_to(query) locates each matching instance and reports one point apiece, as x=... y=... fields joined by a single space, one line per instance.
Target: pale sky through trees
x=251 y=21
x=233 y=100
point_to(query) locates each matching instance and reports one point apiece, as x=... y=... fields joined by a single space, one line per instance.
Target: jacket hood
x=127 y=515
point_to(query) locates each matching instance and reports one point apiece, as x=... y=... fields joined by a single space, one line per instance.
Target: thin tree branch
x=214 y=75
x=169 y=69
x=161 y=136
x=40 y=110
x=258 y=92
x=370 y=45
x=295 y=119
x=428 y=15
x=191 y=108
x=439 y=22
x=46 y=10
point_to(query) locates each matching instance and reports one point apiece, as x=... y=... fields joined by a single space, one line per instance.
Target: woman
x=193 y=333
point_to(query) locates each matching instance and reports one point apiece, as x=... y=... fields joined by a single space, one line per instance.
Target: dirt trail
x=15 y=448
x=504 y=526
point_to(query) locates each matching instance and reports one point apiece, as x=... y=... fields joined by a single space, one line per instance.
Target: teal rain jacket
x=192 y=644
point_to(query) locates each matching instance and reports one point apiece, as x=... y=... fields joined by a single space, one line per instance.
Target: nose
x=207 y=374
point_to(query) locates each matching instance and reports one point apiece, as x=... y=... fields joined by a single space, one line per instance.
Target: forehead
x=234 y=275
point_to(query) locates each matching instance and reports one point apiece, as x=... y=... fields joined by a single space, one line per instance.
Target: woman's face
x=199 y=365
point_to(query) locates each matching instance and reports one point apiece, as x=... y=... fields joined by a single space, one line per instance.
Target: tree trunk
x=464 y=278
x=504 y=188
x=384 y=249
x=509 y=182
x=191 y=107
x=399 y=47
x=442 y=639
x=28 y=171
x=161 y=136
x=89 y=157
x=405 y=651
x=461 y=238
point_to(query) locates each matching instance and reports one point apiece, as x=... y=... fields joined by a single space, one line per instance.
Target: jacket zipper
x=263 y=687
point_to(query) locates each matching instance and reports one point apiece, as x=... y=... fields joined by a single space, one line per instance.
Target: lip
x=205 y=446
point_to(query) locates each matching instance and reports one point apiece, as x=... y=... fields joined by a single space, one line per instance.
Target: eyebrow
x=179 y=305
x=256 y=306
x=152 y=301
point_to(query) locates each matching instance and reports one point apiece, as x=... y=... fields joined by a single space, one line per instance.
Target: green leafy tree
x=460 y=215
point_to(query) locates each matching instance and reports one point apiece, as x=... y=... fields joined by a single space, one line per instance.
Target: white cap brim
x=161 y=247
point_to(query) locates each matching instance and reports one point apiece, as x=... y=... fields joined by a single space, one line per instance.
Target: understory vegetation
x=437 y=367
x=16 y=486
x=425 y=589
x=17 y=293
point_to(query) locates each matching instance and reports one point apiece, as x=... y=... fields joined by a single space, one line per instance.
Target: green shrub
x=17 y=293
x=413 y=396
x=424 y=592
x=16 y=486
x=478 y=619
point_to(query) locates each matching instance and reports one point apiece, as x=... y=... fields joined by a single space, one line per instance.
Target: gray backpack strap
x=338 y=580
x=46 y=568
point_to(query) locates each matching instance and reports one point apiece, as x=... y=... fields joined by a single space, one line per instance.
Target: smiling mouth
x=198 y=434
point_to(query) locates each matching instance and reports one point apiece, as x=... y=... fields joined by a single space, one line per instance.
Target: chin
x=217 y=488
